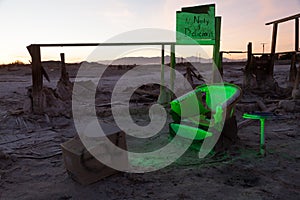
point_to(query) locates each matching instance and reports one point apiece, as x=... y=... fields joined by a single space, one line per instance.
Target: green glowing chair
x=212 y=100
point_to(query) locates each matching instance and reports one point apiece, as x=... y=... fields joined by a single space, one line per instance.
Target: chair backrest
x=215 y=95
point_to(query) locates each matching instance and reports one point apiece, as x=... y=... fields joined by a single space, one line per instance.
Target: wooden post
x=221 y=64
x=249 y=66
x=64 y=77
x=162 y=99
x=216 y=51
x=37 y=78
x=296 y=85
x=64 y=74
x=297 y=79
x=273 y=49
x=296 y=34
x=293 y=69
x=249 y=58
x=172 y=65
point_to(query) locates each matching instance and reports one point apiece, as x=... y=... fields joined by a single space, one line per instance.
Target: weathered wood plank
x=284 y=19
x=37 y=78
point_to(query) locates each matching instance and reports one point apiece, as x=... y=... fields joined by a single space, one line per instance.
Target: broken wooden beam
x=45 y=74
x=261 y=105
x=284 y=19
x=143 y=92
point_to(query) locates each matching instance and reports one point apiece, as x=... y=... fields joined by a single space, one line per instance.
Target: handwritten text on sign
x=200 y=27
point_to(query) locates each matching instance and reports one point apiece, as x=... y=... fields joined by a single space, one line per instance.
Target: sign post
x=200 y=24
x=216 y=52
x=197 y=23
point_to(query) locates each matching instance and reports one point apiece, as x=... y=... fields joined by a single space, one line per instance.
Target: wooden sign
x=196 y=23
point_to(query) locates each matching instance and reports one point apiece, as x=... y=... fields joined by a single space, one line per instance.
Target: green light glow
x=211 y=101
x=218 y=115
x=232 y=112
x=205 y=106
x=188 y=132
x=262 y=117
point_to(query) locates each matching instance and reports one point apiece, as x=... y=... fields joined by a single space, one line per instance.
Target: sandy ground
x=31 y=165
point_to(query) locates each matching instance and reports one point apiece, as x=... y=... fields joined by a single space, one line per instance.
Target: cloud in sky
x=277 y=8
x=36 y=21
x=114 y=10
x=244 y=21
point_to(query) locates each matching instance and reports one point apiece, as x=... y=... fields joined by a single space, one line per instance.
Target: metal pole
x=263 y=46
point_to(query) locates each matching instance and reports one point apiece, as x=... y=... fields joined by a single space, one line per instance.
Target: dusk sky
x=25 y=22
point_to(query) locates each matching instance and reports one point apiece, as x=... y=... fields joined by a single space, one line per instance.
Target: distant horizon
x=225 y=59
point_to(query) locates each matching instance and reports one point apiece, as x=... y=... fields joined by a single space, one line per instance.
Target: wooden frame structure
x=274 y=37
x=37 y=70
x=267 y=60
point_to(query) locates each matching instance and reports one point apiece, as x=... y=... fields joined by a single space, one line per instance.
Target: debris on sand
x=290 y=105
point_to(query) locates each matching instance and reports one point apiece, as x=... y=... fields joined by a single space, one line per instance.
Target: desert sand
x=31 y=164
